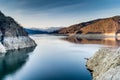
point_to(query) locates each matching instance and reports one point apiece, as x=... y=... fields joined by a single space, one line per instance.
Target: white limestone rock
x=2 y=49
x=105 y=64
x=17 y=42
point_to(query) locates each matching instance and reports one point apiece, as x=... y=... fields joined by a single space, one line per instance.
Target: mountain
x=109 y=26
x=35 y=31
x=12 y=35
x=50 y=30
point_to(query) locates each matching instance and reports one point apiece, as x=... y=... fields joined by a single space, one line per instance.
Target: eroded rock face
x=12 y=35
x=105 y=65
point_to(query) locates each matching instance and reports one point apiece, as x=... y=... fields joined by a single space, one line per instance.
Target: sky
x=58 y=13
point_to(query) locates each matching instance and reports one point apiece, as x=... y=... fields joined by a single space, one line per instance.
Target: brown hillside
x=75 y=28
x=100 y=26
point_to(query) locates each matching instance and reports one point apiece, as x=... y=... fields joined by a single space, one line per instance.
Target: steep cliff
x=100 y=26
x=12 y=35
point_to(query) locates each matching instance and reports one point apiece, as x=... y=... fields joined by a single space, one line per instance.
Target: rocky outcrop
x=107 y=26
x=12 y=35
x=105 y=65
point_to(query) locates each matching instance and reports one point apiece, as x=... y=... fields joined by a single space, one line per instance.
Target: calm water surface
x=52 y=59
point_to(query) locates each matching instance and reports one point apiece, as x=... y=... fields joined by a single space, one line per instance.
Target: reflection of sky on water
x=12 y=61
x=56 y=59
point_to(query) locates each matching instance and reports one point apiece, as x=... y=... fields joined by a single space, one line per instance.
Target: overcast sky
x=55 y=13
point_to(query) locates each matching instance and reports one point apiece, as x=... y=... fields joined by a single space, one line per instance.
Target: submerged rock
x=105 y=65
x=12 y=35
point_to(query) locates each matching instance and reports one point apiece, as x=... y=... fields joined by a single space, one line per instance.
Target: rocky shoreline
x=11 y=43
x=12 y=35
x=105 y=64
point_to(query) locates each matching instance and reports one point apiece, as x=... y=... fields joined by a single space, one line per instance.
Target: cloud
x=35 y=6
x=57 y=12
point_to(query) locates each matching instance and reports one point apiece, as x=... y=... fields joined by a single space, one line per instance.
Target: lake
x=54 y=58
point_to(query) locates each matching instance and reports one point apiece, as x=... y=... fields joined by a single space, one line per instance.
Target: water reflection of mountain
x=13 y=60
x=105 y=41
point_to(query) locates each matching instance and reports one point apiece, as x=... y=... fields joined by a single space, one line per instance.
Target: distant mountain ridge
x=106 y=26
x=100 y=26
x=50 y=30
x=35 y=31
